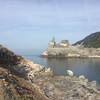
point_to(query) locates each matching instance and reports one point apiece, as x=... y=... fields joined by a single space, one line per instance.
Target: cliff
x=21 y=79
x=72 y=51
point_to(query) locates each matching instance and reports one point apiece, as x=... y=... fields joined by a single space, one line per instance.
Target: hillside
x=93 y=40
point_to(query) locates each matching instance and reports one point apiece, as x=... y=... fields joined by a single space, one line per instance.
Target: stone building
x=64 y=43
x=52 y=43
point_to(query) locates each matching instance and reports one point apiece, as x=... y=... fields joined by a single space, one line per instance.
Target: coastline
x=49 y=87
x=72 y=52
x=82 y=57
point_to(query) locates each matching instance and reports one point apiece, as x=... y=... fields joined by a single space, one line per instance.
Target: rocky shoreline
x=72 y=52
x=67 y=87
x=21 y=79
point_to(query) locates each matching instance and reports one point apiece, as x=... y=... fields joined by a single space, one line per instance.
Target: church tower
x=52 y=43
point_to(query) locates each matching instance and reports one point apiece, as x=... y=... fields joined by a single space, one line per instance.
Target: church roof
x=64 y=41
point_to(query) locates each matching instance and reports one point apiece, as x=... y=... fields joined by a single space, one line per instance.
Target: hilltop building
x=52 y=43
x=62 y=44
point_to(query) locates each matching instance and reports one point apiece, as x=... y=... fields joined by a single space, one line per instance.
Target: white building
x=64 y=43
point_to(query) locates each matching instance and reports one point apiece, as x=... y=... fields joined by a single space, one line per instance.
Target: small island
x=65 y=49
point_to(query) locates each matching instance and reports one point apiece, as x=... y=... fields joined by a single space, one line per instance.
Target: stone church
x=54 y=44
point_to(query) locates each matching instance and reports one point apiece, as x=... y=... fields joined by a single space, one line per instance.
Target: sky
x=30 y=24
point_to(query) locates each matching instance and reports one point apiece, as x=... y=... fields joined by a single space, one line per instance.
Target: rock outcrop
x=17 y=64
x=13 y=87
x=15 y=73
x=67 y=87
x=72 y=51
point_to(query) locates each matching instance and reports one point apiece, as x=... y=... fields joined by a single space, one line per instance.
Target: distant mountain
x=92 y=40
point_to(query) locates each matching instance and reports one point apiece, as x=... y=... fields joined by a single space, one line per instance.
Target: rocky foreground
x=13 y=87
x=21 y=79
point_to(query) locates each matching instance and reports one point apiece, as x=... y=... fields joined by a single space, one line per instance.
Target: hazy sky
x=30 y=24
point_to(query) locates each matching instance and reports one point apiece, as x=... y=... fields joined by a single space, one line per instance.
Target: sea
x=89 y=67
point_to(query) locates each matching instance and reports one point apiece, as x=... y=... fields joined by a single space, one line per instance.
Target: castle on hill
x=62 y=44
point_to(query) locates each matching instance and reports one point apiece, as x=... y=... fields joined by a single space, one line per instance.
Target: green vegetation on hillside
x=92 y=40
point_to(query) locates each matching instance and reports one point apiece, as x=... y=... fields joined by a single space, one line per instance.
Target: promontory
x=88 y=47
